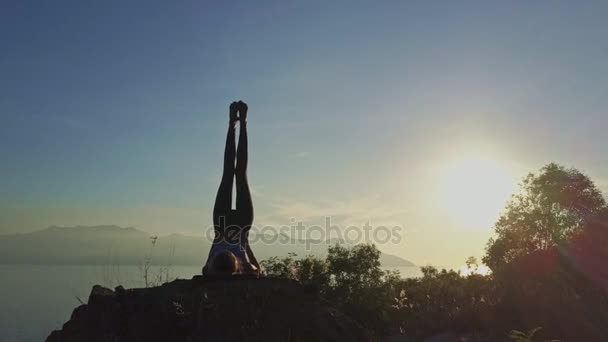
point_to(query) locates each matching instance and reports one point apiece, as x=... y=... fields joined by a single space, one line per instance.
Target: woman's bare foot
x=242 y=107
x=234 y=108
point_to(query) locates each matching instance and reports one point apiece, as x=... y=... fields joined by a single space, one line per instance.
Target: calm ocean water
x=37 y=299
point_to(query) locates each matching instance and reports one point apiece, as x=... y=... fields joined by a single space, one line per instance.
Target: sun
x=473 y=190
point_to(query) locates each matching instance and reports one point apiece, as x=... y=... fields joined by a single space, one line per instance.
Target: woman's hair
x=224 y=263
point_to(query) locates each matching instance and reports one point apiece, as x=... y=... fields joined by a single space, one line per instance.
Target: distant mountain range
x=115 y=245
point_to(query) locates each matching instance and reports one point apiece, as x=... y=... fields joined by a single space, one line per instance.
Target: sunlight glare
x=474 y=190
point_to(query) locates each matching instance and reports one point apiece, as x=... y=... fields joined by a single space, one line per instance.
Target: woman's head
x=224 y=263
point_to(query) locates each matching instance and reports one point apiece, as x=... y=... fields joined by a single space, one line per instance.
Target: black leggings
x=223 y=215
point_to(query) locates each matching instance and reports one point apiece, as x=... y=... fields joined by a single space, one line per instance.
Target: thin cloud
x=345 y=212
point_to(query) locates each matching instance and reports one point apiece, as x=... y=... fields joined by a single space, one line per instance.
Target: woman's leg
x=244 y=204
x=223 y=199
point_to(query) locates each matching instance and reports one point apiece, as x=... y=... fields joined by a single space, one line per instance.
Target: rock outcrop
x=199 y=309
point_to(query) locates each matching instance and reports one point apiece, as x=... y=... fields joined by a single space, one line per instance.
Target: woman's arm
x=253 y=260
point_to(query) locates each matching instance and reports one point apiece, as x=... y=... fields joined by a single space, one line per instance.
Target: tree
x=354 y=269
x=443 y=300
x=360 y=287
x=280 y=268
x=472 y=264
x=310 y=270
x=313 y=271
x=550 y=209
x=351 y=278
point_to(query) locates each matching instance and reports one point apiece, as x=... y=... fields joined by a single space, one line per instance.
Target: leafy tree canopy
x=551 y=207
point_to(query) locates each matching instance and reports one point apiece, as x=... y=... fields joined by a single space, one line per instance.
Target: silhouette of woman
x=232 y=226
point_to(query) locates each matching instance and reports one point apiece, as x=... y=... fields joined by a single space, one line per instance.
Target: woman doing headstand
x=230 y=252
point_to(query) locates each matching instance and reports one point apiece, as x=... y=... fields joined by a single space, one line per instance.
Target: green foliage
x=350 y=277
x=550 y=208
x=359 y=286
x=443 y=300
x=280 y=268
x=309 y=270
x=547 y=262
x=472 y=264
x=312 y=270
x=354 y=270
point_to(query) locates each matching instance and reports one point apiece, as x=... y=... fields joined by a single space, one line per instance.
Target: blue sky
x=115 y=111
